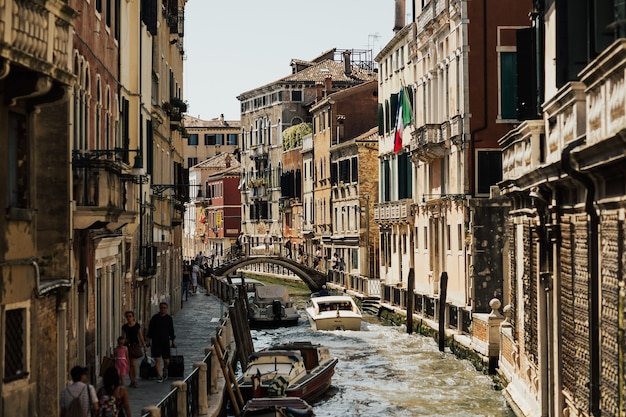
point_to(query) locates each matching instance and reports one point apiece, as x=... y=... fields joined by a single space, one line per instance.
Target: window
x=191 y=162
x=296 y=95
x=193 y=139
x=231 y=139
x=209 y=139
x=15 y=342
x=489 y=170
x=219 y=139
x=18 y=162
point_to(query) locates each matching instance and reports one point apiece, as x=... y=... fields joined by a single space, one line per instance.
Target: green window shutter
x=508 y=97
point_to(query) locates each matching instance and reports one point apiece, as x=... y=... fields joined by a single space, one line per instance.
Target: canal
x=384 y=372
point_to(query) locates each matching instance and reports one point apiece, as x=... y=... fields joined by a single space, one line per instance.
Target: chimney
x=347 y=65
x=329 y=84
x=227 y=161
x=400 y=13
x=222 y=118
x=319 y=91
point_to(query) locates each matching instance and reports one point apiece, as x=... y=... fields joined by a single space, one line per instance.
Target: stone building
x=93 y=184
x=207 y=138
x=266 y=112
x=564 y=172
x=213 y=214
x=344 y=148
x=35 y=228
x=436 y=208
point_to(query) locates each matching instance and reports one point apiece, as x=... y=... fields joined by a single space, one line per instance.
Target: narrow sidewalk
x=194 y=326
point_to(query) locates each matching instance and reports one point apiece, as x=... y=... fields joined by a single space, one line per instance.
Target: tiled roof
x=218 y=162
x=194 y=122
x=318 y=72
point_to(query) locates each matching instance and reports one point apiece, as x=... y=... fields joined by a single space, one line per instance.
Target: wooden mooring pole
x=409 y=302
x=443 y=292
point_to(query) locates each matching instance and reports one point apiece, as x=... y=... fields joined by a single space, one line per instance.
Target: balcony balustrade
x=104 y=196
x=260 y=151
x=428 y=143
x=37 y=35
x=393 y=211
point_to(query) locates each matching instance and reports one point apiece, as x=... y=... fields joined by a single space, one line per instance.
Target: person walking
x=79 y=395
x=113 y=397
x=136 y=345
x=122 y=360
x=160 y=333
x=267 y=240
x=186 y=279
x=195 y=276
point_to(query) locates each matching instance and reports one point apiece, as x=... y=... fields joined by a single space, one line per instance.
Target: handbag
x=135 y=351
x=107 y=362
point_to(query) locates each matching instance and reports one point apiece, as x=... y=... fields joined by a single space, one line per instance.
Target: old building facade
x=93 y=185
x=265 y=113
x=213 y=215
x=204 y=139
x=563 y=343
x=436 y=207
x=345 y=145
x=35 y=249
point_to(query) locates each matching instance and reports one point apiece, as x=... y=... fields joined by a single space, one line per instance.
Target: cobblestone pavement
x=194 y=326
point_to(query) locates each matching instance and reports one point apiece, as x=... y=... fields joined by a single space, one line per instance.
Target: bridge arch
x=313 y=278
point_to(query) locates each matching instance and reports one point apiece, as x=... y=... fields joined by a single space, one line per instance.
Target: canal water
x=384 y=372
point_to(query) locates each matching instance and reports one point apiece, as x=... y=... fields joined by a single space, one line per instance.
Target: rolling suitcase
x=176 y=369
x=147 y=369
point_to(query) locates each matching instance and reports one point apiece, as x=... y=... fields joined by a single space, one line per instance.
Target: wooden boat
x=333 y=312
x=298 y=369
x=277 y=407
x=271 y=307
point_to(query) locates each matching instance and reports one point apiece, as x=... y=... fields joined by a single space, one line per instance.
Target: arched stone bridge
x=313 y=278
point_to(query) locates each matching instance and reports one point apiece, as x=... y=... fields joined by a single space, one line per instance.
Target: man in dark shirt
x=160 y=332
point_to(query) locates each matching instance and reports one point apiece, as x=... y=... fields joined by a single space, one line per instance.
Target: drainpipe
x=41 y=289
x=594 y=275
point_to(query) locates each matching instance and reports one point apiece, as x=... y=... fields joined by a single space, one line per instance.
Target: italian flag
x=403 y=119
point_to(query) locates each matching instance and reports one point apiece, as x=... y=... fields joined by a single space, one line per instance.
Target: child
x=121 y=359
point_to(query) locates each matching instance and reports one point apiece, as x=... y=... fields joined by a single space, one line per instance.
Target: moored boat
x=299 y=369
x=277 y=407
x=333 y=312
x=271 y=307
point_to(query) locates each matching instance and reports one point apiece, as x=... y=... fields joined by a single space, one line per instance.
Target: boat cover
x=269 y=293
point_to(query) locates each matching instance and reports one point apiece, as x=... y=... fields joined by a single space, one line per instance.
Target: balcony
x=522 y=150
x=38 y=35
x=259 y=152
x=428 y=143
x=394 y=211
x=104 y=196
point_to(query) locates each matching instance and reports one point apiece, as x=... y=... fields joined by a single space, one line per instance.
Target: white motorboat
x=271 y=307
x=333 y=312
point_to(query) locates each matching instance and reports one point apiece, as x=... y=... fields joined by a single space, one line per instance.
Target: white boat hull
x=335 y=323
x=333 y=313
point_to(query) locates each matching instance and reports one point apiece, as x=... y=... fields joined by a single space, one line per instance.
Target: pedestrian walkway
x=194 y=326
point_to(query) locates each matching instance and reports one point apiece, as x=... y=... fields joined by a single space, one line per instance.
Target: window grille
x=14 y=345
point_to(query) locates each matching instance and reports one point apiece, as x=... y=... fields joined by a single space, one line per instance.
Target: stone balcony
x=428 y=142
x=393 y=211
x=103 y=194
x=37 y=35
x=260 y=151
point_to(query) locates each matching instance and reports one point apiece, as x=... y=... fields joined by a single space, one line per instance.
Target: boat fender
x=295 y=413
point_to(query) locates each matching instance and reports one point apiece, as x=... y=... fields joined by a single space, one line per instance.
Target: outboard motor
x=277 y=309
